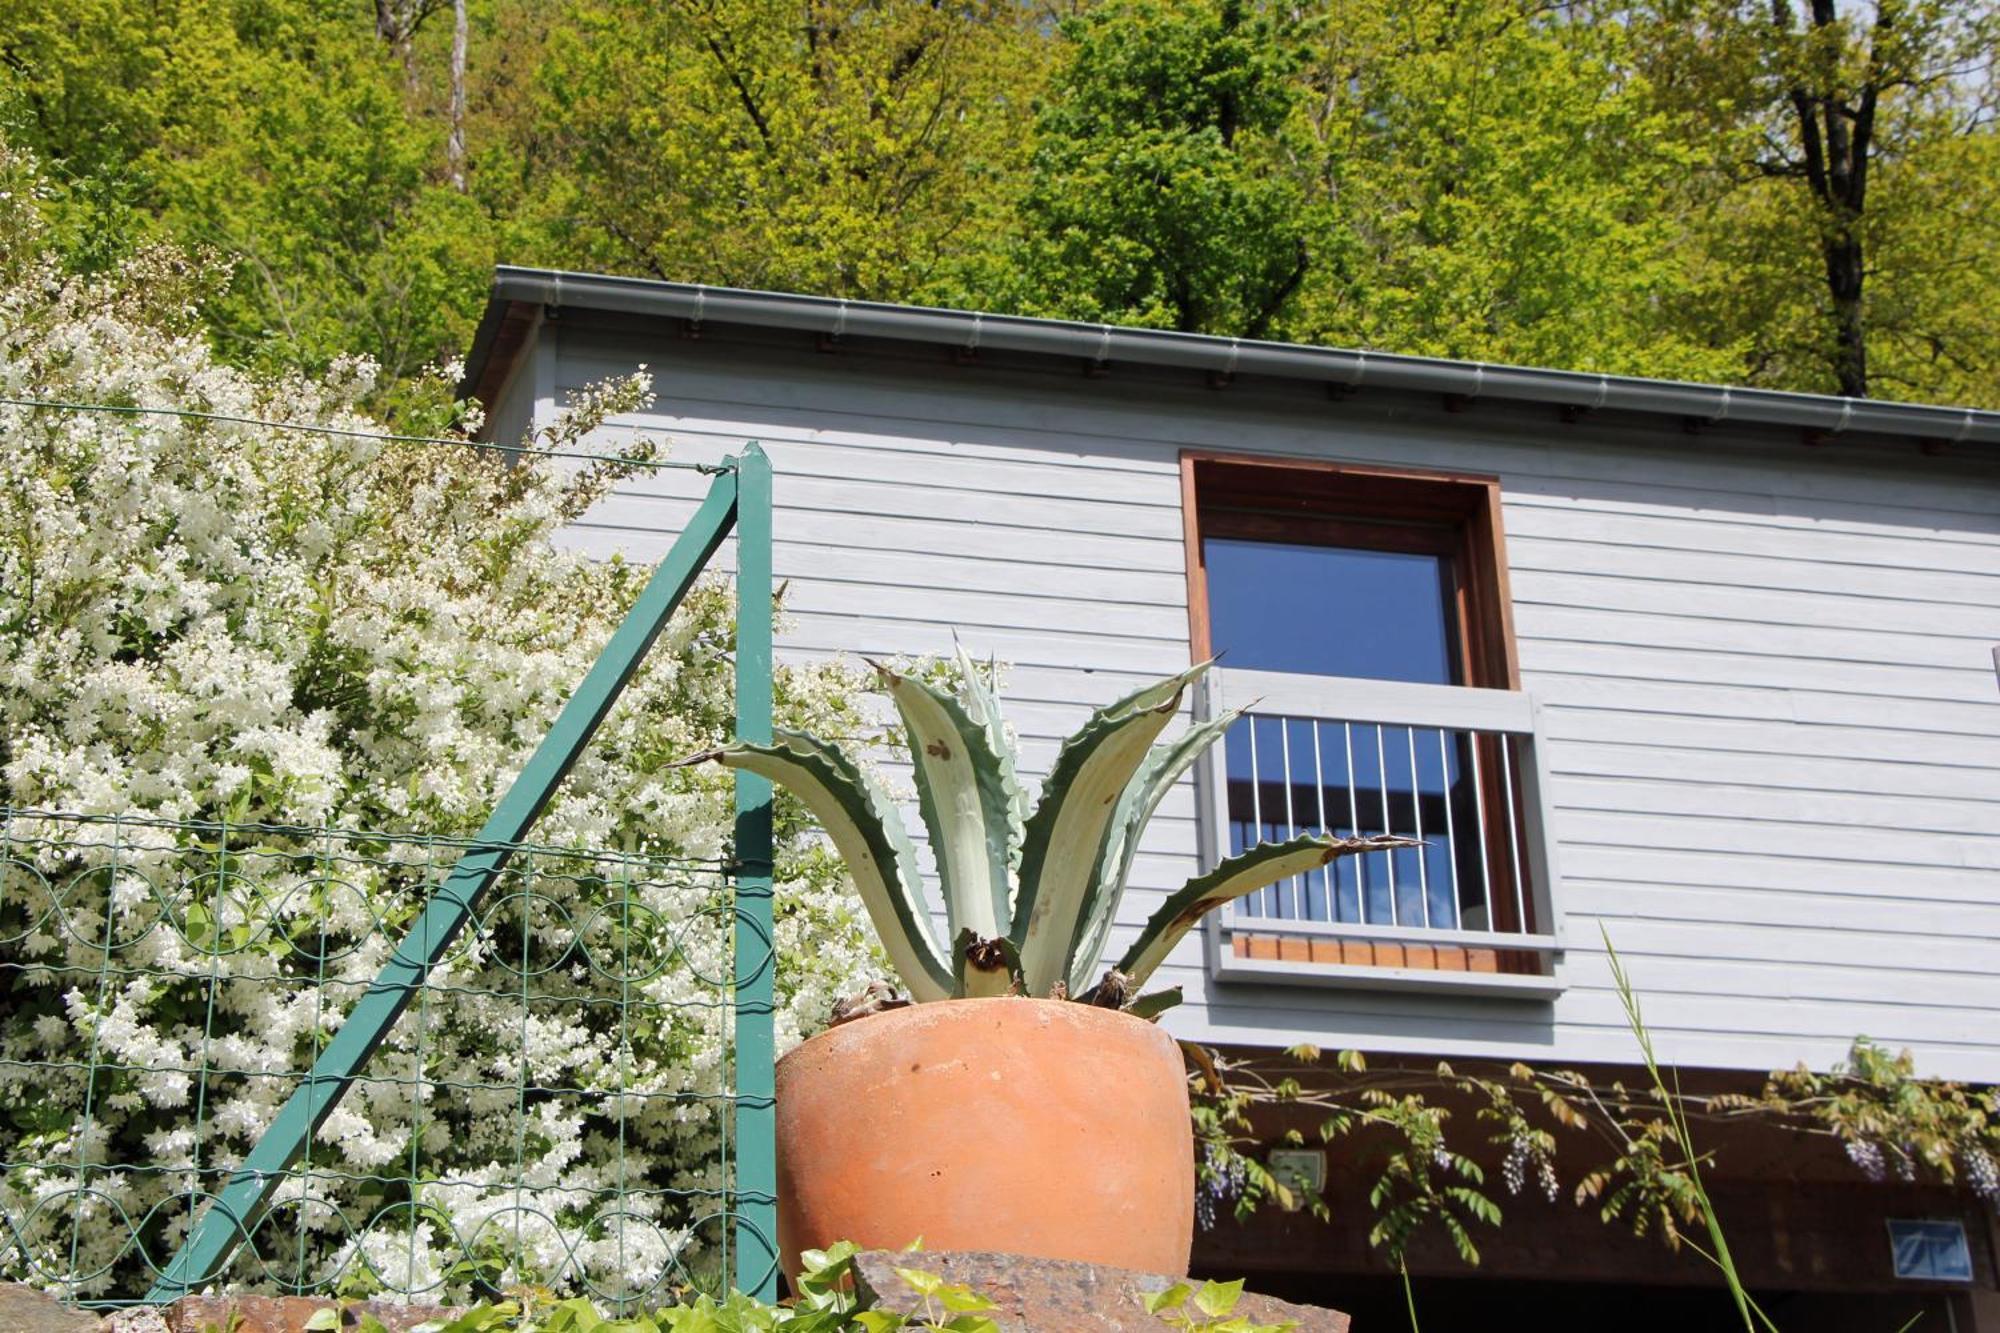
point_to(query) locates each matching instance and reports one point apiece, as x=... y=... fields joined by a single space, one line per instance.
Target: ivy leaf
x=1216 y=1299
x=971 y=1323
x=962 y=1300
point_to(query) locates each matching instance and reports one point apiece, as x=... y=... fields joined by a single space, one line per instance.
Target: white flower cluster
x=209 y=621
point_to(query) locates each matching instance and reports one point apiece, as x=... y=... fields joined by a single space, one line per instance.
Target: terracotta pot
x=1040 y=1127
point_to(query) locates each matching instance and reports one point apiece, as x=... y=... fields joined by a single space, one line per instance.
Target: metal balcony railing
x=1459 y=769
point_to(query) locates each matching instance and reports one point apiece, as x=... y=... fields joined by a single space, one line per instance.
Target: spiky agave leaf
x=1154 y=1004
x=982 y=702
x=1165 y=763
x=1246 y=872
x=962 y=793
x=1062 y=839
x=1138 y=697
x=861 y=818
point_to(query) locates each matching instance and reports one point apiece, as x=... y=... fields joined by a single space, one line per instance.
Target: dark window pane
x=1330 y=610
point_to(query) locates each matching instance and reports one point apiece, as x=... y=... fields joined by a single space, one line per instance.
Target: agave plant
x=1029 y=897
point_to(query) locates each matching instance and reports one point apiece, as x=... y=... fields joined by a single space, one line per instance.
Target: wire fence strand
x=554 y=1106
x=342 y=432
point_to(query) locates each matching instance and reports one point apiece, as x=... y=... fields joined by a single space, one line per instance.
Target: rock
x=1056 y=1296
x=25 y=1310
x=262 y=1314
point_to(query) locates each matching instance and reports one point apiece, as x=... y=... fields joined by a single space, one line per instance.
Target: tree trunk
x=1836 y=135
x=1843 y=282
x=454 y=146
x=396 y=25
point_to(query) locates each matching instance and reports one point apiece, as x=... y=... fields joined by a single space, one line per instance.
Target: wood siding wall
x=1770 y=700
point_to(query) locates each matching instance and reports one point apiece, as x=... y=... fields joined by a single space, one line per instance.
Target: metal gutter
x=1703 y=404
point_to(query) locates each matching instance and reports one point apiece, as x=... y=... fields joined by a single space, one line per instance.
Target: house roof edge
x=1348 y=368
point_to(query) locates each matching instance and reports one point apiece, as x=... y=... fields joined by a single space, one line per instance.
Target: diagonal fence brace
x=217 y=1232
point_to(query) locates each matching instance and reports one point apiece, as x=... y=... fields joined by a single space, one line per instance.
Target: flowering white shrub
x=207 y=621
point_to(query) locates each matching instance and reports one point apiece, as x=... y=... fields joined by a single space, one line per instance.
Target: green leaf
x=962 y=1300
x=867 y=830
x=501 y=1314
x=839 y=1255
x=1216 y=1299
x=1164 y=765
x=924 y=1284
x=1172 y=1298
x=963 y=792
x=327 y=1318
x=880 y=1321
x=1063 y=838
x=970 y=1323
x=1266 y=863
x=801 y=1319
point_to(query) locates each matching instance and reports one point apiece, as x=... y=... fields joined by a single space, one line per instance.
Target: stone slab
x=263 y=1314
x=26 y=1310
x=1056 y=1296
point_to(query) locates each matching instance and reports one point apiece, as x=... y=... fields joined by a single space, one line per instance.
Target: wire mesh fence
x=555 y=1106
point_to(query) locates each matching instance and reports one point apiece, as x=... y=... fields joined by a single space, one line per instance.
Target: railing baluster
x=1382 y=780
x=1354 y=829
x=1417 y=806
x=1256 y=814
x=1450 y=833
x=1513 y=835
x=1319 y=797
x=1479 y=811
x=1291 y=825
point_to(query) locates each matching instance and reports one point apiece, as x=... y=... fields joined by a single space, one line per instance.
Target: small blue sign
x=1929 y=1251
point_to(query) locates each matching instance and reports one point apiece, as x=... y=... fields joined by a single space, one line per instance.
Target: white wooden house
x=1709 y=671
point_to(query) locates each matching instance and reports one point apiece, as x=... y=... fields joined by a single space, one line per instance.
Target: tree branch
x=736 y=81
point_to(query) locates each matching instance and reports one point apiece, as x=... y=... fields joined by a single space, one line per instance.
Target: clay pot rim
x=1089 y=1012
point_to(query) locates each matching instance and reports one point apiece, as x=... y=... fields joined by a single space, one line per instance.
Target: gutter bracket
x=1461 y=402
x=1574 y=412
x=970 y=350
x=1223 y=378
x=829 y=341
x=1339 y=389
x=1100 y=365
x=692 y=329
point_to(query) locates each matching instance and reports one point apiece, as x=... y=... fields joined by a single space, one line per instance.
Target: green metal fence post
x=217 y=1231
x=756 y=1216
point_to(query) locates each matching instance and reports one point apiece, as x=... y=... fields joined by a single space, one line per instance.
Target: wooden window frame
x=1456 y=514
x=1370 y=506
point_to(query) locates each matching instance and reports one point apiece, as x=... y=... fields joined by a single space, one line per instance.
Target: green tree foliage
x=275 y=133
x=832 y=147
x=1801 y=194
x=1851 y=210
x=1165 y=186
x=1508 y=187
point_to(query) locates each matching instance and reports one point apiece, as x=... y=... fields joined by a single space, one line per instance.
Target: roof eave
x=1821 y=416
